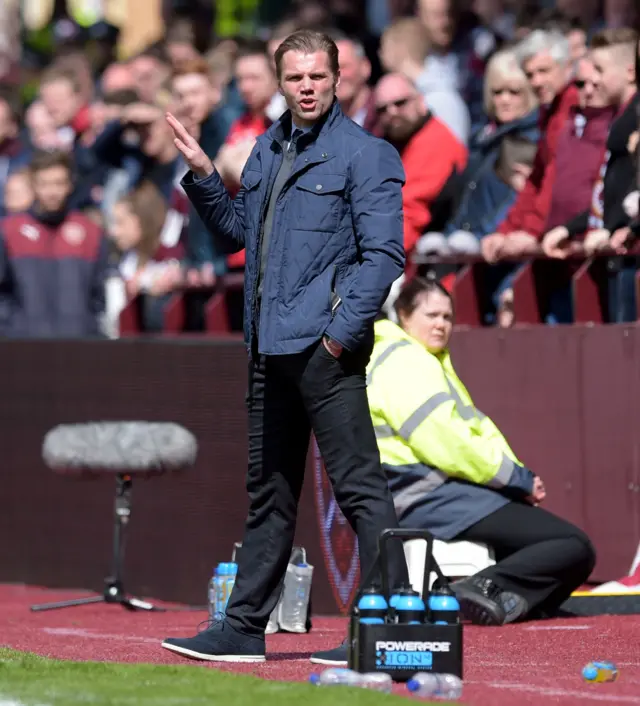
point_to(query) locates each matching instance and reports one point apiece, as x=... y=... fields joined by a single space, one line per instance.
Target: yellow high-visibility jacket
x=446 y=462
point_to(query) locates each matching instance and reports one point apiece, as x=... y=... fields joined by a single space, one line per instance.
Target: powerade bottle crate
x=400 y=632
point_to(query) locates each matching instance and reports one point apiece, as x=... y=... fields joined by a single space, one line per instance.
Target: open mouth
x=308 y=103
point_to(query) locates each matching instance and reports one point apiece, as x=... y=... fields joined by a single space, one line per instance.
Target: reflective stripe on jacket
x=430 y=435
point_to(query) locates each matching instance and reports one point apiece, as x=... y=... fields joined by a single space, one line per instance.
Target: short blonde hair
x=504 y=64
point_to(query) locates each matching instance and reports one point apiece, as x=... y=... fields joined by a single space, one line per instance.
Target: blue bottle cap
x=443 y=602
x=590 y=672
x=372 y=602
x=413 y=685
x=233 y=568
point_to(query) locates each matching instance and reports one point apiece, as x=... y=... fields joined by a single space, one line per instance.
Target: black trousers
x=539 y=556
x=288 y=397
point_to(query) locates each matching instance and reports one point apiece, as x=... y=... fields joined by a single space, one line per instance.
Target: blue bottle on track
x=444 y=608
x=221 y=580
x=408 y=605
x=232 y=570
x=597 y=672
x=372 y=607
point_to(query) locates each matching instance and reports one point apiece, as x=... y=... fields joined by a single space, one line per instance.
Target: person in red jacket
x=430 y=152
x=545 y=58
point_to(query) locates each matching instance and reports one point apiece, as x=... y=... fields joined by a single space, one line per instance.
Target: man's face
x=148 y=74
x=354 y=71
x=195 y=97
x=42 y=129
x=546 y=76
x=8 y=126
x=610 y=77
x=155 y=138
x=180 y=53
x=61 y=100
x=400 y=108
x=256 y=82
x=116 y=77
x=589 y=96
x=436 y=17
x=52 y=187
x=308 y=85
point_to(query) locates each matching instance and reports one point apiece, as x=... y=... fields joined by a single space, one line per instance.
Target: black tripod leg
x=68 y=604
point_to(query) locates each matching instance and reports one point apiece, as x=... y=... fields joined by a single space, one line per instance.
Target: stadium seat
x=455 y=559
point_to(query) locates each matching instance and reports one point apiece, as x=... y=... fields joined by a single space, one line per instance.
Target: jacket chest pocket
x=250 y=182
x=318 y=202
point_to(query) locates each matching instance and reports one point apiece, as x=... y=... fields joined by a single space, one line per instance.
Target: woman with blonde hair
x=486 y=190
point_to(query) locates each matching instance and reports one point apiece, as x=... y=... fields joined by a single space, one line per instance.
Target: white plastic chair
x=455 y=559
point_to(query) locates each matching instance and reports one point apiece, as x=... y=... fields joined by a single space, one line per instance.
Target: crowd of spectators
x=516 y=123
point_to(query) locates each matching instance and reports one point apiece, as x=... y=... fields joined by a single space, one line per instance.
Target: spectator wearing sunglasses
x=482 y=196
x=431 y=154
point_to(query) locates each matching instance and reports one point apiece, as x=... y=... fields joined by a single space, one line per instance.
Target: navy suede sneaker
x=336 y=657
x=219 y=643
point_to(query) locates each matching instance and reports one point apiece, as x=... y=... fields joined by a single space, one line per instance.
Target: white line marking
x=559 y=627
x=544 y=691
x=81 y=632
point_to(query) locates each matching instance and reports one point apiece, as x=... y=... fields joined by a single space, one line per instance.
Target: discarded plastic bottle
x=598 y=672
x=377 y=681
x=440 y=686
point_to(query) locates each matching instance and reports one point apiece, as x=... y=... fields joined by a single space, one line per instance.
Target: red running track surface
x=517 y=665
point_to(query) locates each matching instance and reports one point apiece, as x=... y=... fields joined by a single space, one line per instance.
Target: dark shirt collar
x=50 y=219
x=281 y=130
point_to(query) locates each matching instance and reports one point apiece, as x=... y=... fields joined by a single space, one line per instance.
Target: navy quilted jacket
x=337 y=240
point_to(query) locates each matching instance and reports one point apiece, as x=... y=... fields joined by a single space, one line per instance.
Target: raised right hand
x=193 y=154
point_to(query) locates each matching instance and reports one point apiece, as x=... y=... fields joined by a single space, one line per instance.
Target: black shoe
x=515 y=606
x=337 y=657
x=219 y=643
x=480 y=601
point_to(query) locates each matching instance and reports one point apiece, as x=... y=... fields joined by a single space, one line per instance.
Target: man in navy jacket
x=320 y=215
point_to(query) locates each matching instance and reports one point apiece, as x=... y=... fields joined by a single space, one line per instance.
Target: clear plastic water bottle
x=376 y=681
x=221 y=587
x=232 y=571
x=440 y=686
x=294 y=606
x=273 y=626
x=212 y=594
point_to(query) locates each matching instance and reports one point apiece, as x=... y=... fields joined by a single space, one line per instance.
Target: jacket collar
x=281 y=129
